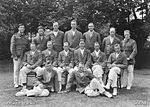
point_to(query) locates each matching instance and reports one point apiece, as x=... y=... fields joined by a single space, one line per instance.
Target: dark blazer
x=49 y=58
x=121 y=60
x=19 y=45
x=41 y=44
x=58 y=41
x=89 y=41
x=80 y=81
x=73 y=40
x=130 y=49
x=34 y=60
x=101 y=59
x=64 y=60
x=85 y=58
x=108 y=47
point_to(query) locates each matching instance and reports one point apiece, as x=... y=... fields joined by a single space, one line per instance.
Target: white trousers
x=113 y=73
x=17 y=64
x=91 y=89
x=128 y=76
x=37 y=91
x=23 y=73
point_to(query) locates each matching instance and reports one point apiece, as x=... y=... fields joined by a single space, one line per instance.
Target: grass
x=138 y=96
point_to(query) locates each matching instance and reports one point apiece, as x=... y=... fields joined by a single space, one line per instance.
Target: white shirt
x=41 y=37
x=117 y=54
x=73 y=32
x=55 y=33
x=91 y=33
x=66 y=53
x=82 y=51
x=32 y=52
x=111 y=39
x=49 y=52
x=97 y=52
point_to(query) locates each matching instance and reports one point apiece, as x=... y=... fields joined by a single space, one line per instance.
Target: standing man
x=109 y=42
x=130 y=49
x=58 y=38
x=40 y=40
x=73 y=36
x=19 y=45
x=91 y=37
x=117 y=62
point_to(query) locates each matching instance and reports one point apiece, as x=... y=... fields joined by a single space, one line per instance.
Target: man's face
x=117 y=49
x=74 y=25
x=96 y=46
x=33 y=47
x=81 y=67
x=49 y=45
x=66 y=47
x=41 y=32
x=82 y=44
x=55 y=26
x=91 y=27
x=112 y=31
x=127 y=34
x=21 y=29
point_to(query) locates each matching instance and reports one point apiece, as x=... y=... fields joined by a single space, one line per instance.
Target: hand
x=29 y=66
x=128 y=58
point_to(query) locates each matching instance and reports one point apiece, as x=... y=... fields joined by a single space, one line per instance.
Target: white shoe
x=107 y=86
x=22 y=92
x=109 y=95
x=115 y=91
x=16 y=86
x=128 y=88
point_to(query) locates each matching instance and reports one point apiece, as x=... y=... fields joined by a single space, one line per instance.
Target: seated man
x=86 y=83
x=116 y=62
x=65 y=62
x=31 y=62
x=82 y=55
x=98 y=59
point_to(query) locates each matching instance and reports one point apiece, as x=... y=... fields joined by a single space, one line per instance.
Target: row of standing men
x=76 y=42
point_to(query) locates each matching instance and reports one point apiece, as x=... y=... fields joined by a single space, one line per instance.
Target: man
x=91 y=37
x=58 y=38
x=130 y=49
x=19 y=45
x=109 y=42
x=86 y=83
x=82 y=55
x=31 y=62
x=117 y=62
x=40 y=40
x=98 y=60
x=65 y=62
x=73 y=36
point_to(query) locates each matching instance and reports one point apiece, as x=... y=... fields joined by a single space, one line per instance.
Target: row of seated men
x=72 y=37
x=85 y=69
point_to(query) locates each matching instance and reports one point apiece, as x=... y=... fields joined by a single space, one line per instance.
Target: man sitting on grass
x=86 y=83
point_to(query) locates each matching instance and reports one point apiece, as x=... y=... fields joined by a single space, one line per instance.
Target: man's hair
x=116 y=45
x=32 y=43
x=91 y=23
x=82 y=40
x=40 y=27
x=66 y=43
x=49 y=42
x=96 y=43
x=127 y=30
x=21 y=24
x=55 y=23
x=74 y=21
x=112 y=28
